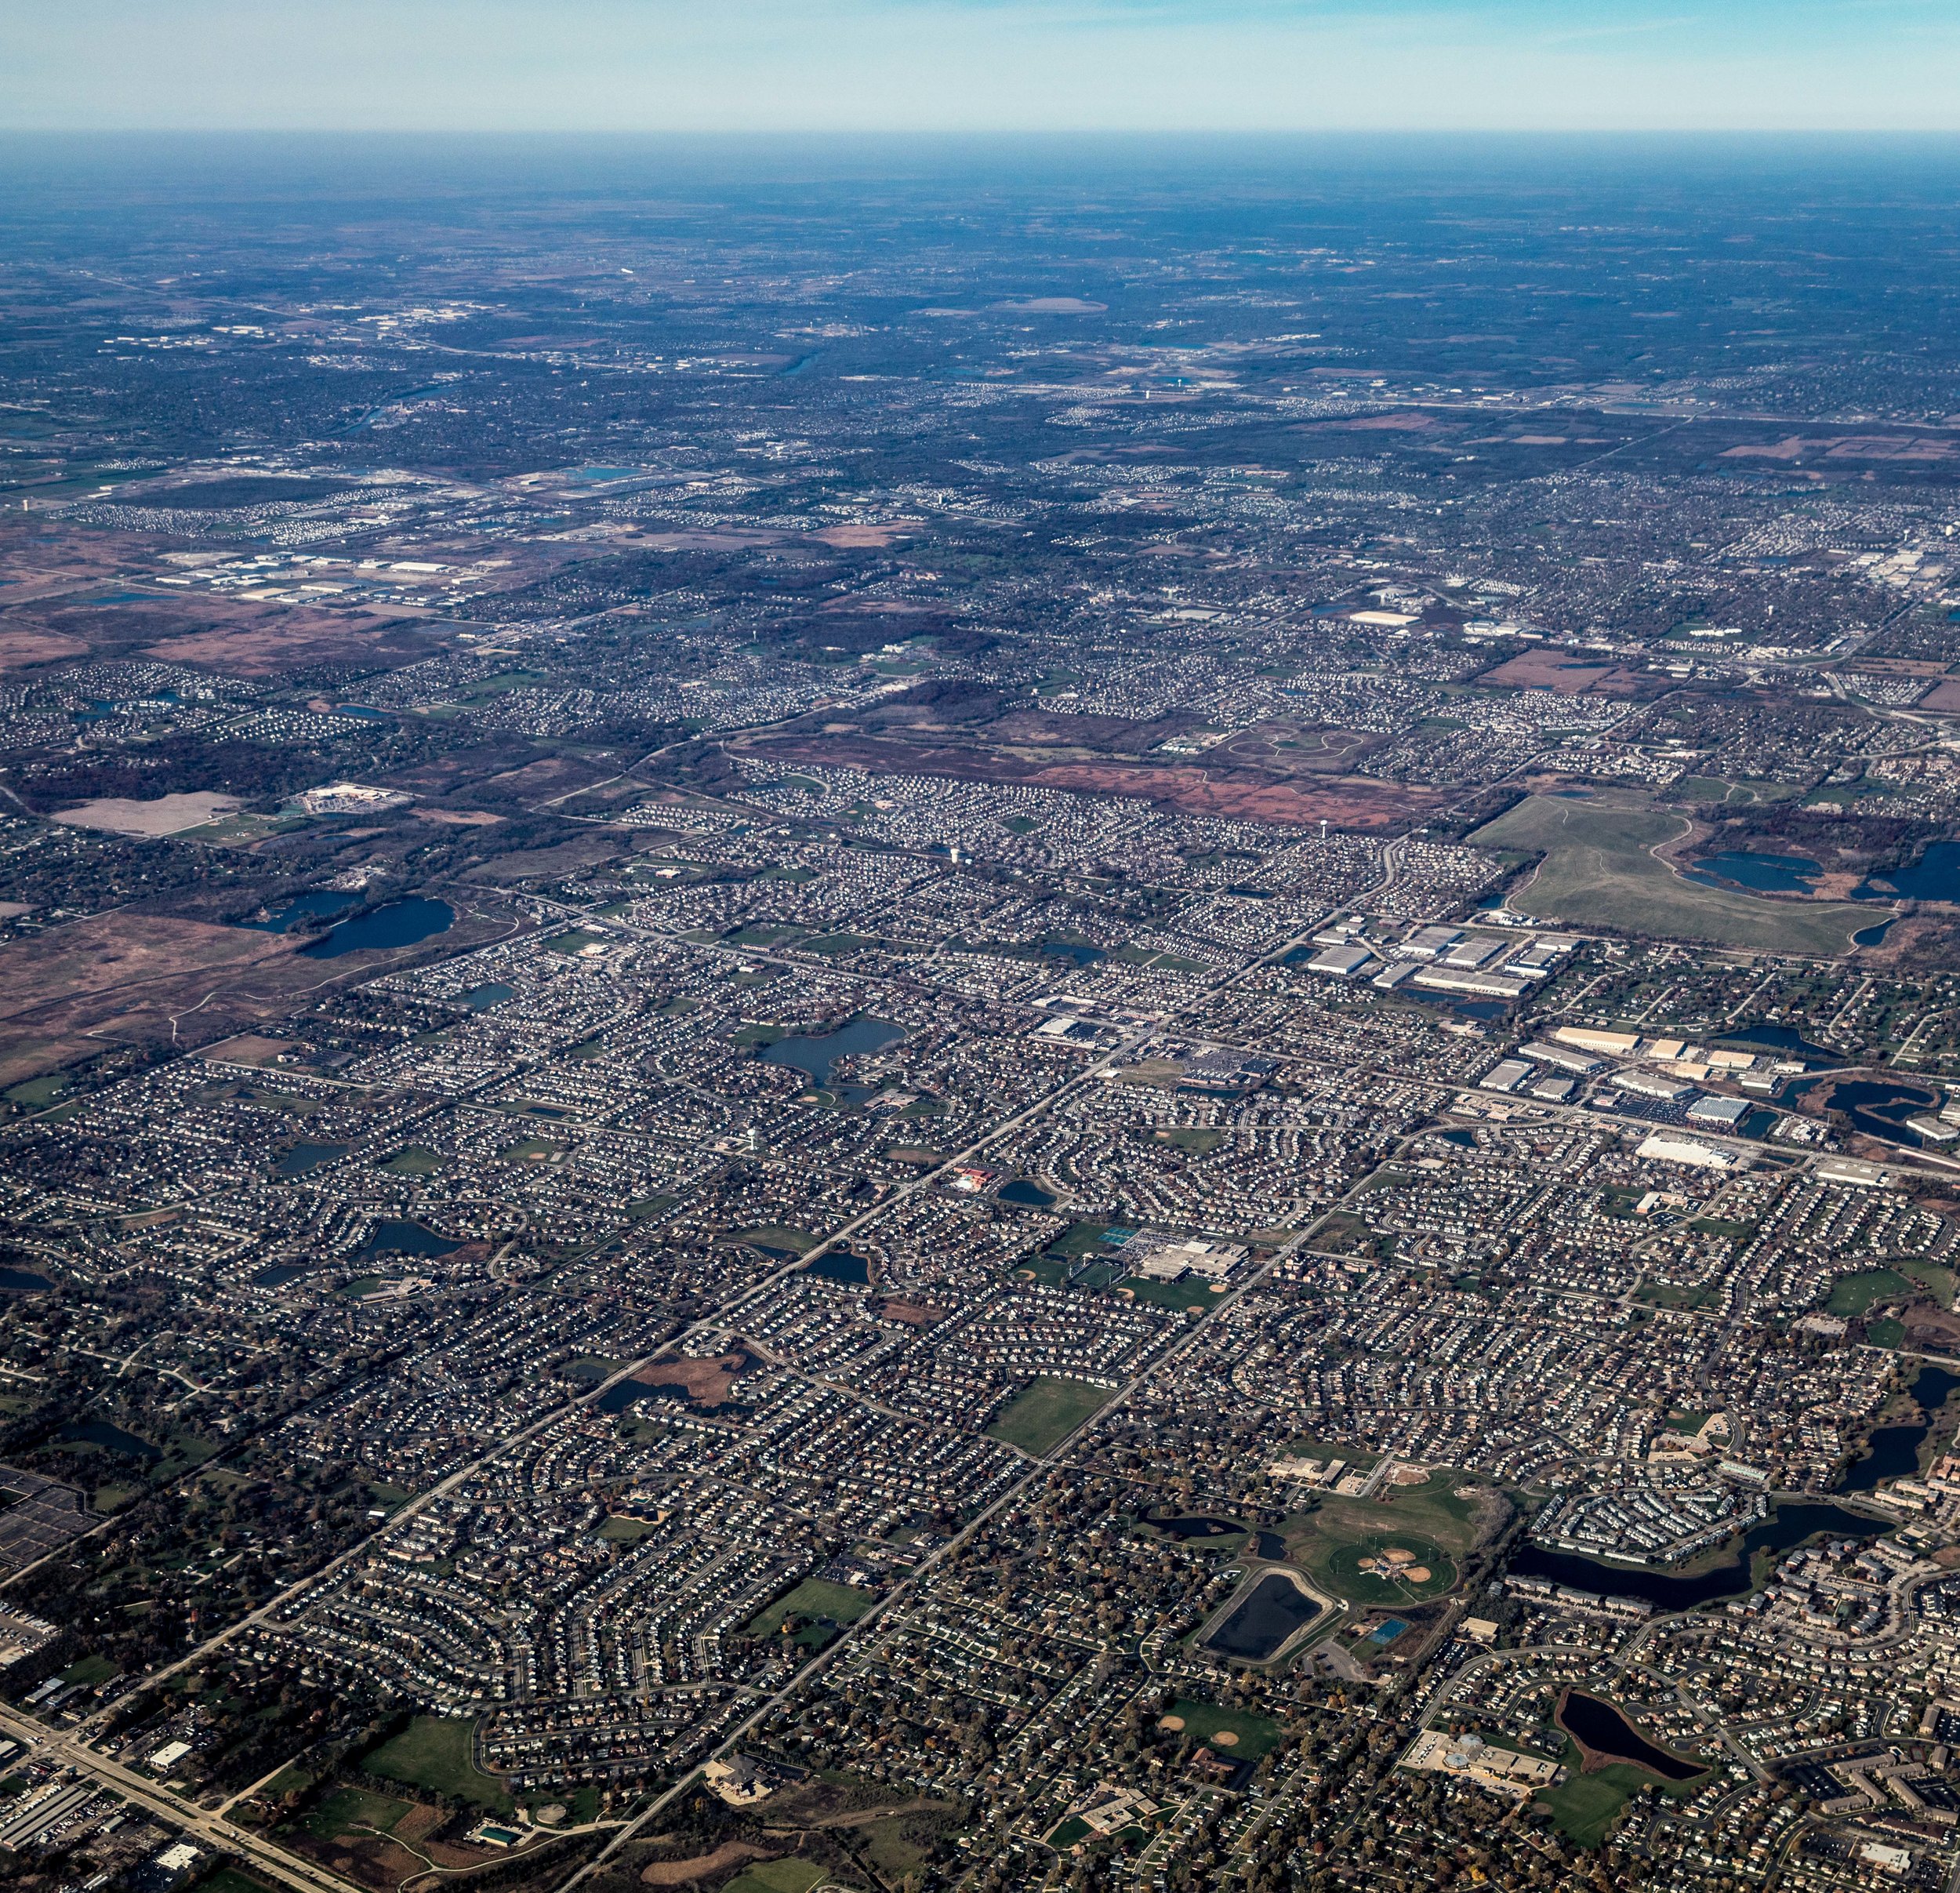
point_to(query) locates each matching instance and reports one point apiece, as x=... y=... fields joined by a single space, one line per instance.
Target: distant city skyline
x=981 y=65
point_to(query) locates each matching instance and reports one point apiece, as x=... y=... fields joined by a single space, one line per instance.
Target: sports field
x=1599 y=870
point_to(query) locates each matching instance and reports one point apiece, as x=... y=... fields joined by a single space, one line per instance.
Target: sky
x=979 y=65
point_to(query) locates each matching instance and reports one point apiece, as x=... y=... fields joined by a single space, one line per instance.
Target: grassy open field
x=1046 y=1412
x=437 y=1752
x=1332 y=1539
x=1247 y=1737
x=840 y=1603
x=1584 y=1806
x=1855 y=1295
x=777 y=1876
x=1599 y=870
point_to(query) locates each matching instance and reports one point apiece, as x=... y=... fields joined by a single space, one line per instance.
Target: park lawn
x=1856 y=1294
x=1206 y=1720
x=813 y=1597
x=414 y=1161
x=1200 y=1140
x=1599 y=870
x=1177 y=1295
x=341 y=1810
x=1583 y=1806
x=1938 y=1282
x=778 y=1236
x=626 y=1531
x=777 y=1876
x=1886 y=1332
x=1339 y=1567
x=574 y=942
x=1664 y=1295
x=1046 y=1411
x=437 y=1752
x=1071 y=1830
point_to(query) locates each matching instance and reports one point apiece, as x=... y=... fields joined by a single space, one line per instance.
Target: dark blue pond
x=814 y=1055
x=1763 y=873
x=1267 y=1615
x=1873 y=936
x=394 y=1238
x=1077 y=952
x=22 y=1281
x=1031 y=1195
x=1601 y=1729
x=362 y=711
x=481 y=998
x=304 y=1156
x=402 y=923
x=1777 y=1038
x=1935 y=876
x=278 y=1275
x=1894 y=1452
x=1879 y=1107
x=839 y=1265
x=100 y=1433
x=1786 y=1527
x=312 y=905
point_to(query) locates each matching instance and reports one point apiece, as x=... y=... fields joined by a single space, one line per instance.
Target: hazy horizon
x=981 y=66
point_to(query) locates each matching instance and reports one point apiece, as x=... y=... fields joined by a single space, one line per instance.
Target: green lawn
x=574 y=942
x=777 y=1235
x=1583 y=1806
x=1599 y=870
x=1340 y=1568
x=435 y=1752
x=839 y=1603
x=626 y=1531
x=1205 y=1720
x=340 y=1809
x=1200 y=1141
x=1856 y=1294
x=777 y=1876
x=1046 y=1411
x=1190 y=1293
x=414 y=1161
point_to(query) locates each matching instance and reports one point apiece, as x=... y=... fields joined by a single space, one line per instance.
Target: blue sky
x=693 y=65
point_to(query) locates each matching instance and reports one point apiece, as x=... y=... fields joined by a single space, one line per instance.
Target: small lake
x=839 y=1265
x=481 y=998
x=312 y=905
x=398 y=1238
x=814 y=1056
x=1271 y=1613
x=1601 y=1728
x=363 y=712
x=1077 y=952
x=1787 y=1527
x=304 y=1156
x=1030 y=1196
x=402 y=923
x=112 y=1439
x=22 y=1281
x=1895 y=1450
x=278 y=1275
x=1935 y=876
x=1777 y=1038
x=1879 y=1107
x=1761 y=874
